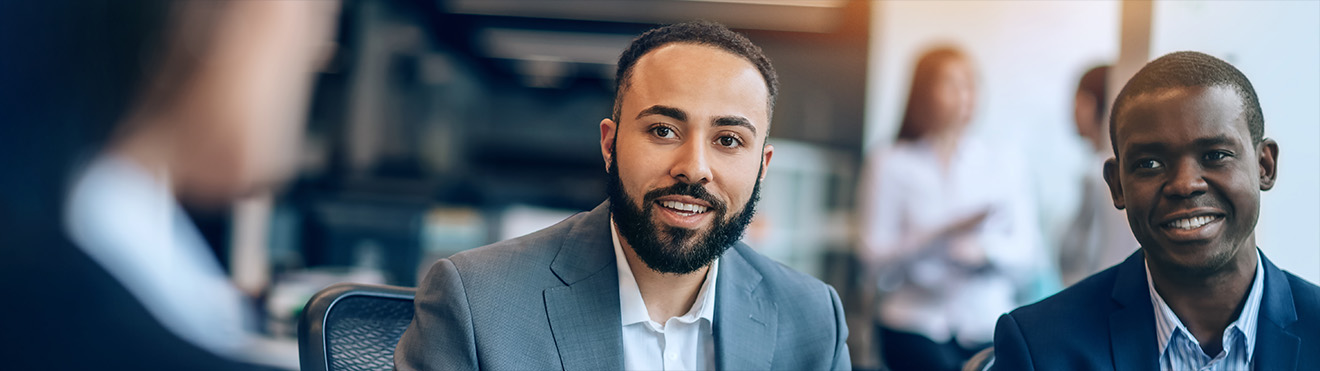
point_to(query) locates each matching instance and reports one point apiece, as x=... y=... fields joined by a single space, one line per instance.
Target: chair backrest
x=350 y=326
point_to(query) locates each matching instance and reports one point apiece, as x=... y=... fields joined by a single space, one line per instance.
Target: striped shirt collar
x=1180 y=350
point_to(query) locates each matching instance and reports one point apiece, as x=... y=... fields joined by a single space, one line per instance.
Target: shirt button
x=673 y=356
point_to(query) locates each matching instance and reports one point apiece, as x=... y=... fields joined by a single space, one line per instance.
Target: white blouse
x=956 y=284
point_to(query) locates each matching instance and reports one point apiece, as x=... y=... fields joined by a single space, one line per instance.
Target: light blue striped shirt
x=1180 y=351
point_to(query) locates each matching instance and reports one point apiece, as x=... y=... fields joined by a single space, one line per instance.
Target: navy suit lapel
x=1132 y=325
x=745 y=322
x=1277 y=347
x=584 y=313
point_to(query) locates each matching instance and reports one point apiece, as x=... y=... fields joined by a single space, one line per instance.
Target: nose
x=691 y=165
x=1185 y=180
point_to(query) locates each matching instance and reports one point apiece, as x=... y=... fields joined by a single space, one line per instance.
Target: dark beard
x=670 y=249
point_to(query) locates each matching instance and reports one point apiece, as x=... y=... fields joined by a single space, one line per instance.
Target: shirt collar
x=117 y=207
x=633 y=309
x=1167 y=323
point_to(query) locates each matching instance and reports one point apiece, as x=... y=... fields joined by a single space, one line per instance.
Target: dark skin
x=1189 y=175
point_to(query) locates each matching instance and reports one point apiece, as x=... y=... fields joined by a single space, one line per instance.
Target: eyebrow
x=1219 y=140
x=680 y=115
x=671 y=112
x=1143 y=147
x=735 y=121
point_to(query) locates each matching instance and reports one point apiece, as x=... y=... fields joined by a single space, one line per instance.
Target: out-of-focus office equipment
x=374 y=232
x=351 y=326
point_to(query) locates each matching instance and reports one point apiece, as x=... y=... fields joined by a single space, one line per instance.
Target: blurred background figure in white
x=204 y=104
x=947 y=231
x=1098 y=236
x=219 y=118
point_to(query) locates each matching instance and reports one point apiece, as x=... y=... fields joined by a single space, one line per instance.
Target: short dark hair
x=1095 y=83
x=1190 y=69
x=696 y=32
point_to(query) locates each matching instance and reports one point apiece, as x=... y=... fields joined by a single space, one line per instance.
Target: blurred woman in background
x=946 y=231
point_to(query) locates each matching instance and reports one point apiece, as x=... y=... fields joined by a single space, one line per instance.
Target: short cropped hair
x=696 y=32
x=1190 y=69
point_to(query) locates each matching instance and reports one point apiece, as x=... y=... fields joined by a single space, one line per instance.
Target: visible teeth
x=1191 y=223
x=697 y=209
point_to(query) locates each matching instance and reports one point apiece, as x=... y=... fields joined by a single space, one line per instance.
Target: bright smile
x=683 y=212
x=1192 y=228
x=683 y=208
x=1191 y=223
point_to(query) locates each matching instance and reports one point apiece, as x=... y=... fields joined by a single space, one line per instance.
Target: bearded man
x=655 y=277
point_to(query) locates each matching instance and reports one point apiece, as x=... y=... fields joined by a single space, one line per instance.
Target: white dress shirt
x=1179 y=350
x=932 y=289
x=129 y=223
x=681 y=343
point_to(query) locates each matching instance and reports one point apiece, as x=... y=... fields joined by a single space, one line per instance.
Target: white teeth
x=1191 y=223
x=696 y=209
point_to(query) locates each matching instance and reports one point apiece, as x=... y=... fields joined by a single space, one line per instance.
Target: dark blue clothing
x=1107 y=322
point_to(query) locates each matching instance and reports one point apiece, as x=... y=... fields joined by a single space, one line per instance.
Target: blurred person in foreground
x=1191 y=160
x=655 y=277
x=1098 y=235
x=212 y=99
x=947 y=233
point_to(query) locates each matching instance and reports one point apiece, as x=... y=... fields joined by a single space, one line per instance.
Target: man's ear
x=607 y=134
x=1115 y=188
x=767 y=152
x=1268 y=154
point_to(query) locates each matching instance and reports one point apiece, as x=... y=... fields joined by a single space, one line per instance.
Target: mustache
x=686 y=189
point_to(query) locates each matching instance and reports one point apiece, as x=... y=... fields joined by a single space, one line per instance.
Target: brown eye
x=1217 y=155
x=729 y=141
x=1149 y=164
x=663 y=132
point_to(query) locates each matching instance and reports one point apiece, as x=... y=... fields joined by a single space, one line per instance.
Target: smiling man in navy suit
x=1190 y=162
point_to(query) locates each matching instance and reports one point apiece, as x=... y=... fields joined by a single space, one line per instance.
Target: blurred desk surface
x=276 y=353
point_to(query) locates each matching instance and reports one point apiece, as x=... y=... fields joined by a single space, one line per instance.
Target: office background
x=444 y=125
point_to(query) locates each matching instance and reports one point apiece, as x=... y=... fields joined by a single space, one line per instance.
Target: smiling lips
x=1191 y=223
x=1193 y=228
x=684 y=209
x=684 y=212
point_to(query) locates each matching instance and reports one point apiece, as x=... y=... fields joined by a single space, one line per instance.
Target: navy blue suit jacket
x=1106 y=322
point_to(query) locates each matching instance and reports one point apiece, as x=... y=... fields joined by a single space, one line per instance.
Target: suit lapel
x=1277 y=348
x=745 y=322
x=1132 y=325
x=584 y=313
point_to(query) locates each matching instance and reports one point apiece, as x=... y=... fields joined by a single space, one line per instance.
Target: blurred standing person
x=947 y=231
x=1098 y=236
x=196 y=102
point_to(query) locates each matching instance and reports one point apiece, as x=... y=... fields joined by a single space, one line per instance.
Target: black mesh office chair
x=350 y=326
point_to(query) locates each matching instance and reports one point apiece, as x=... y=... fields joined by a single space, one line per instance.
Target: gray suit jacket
x=550 y=300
